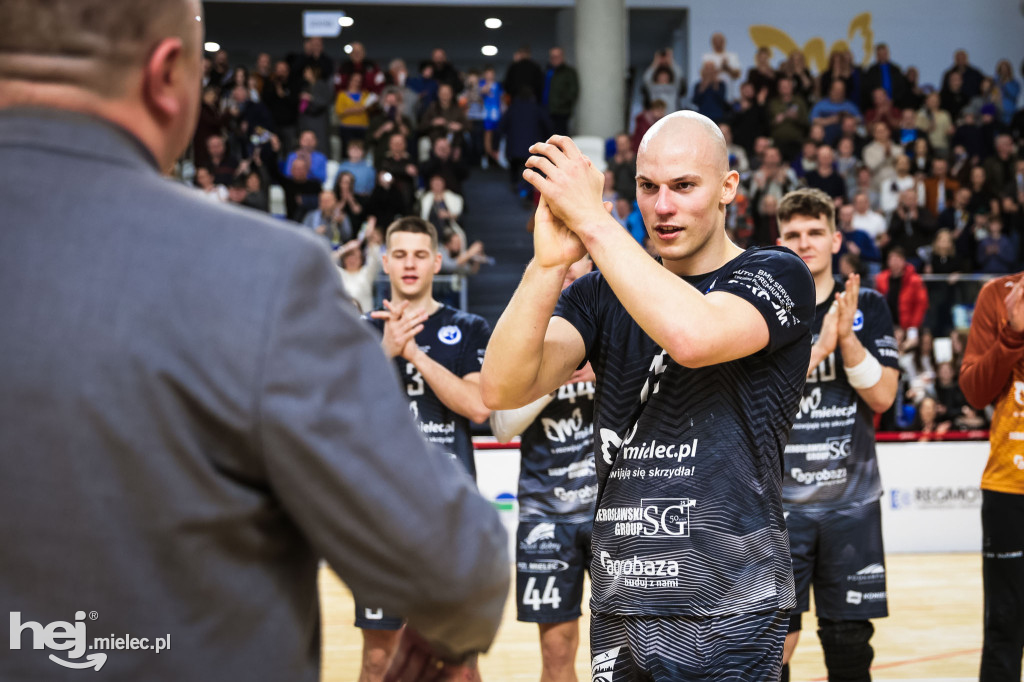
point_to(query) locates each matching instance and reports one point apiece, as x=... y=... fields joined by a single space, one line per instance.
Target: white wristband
x=864 y=374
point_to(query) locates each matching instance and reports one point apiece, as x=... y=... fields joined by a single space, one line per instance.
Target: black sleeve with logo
x=830 y=459
x=689 y=518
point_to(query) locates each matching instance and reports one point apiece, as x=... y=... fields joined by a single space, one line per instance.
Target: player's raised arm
x=684 y=211
x=531 y=353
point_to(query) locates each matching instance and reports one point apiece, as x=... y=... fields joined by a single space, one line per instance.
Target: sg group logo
x=71 y=637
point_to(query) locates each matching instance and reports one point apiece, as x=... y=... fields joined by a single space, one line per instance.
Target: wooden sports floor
x=933 y=632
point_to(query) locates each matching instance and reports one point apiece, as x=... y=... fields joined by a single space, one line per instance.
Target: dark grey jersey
x=689 y=517
x=830 y=458
x=557 y=480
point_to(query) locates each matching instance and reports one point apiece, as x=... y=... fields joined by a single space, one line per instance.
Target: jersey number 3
x=415 y=384
x=533 y=597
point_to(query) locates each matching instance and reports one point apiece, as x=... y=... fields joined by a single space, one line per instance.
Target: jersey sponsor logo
x=602 y=665
x=870 y=573
x=587 y=493
x=856 y=598
x=437 y=428
x=810 y=406
x=639 y=567
x=582 y=469
x=542 y=566
x=610 y=444
x=656 y=516
x=449 y=335
x=542 y=531
x=764 y=286
x=858 y=320
x=823 y=477
x=561 y=430
x=872 y=569
x=657 y=450
x=837 y=447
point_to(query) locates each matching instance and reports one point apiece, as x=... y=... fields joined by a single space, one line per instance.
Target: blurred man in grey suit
x=191 y=415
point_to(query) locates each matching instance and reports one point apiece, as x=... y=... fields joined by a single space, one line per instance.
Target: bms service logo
x=68 y=637
x=449 y=335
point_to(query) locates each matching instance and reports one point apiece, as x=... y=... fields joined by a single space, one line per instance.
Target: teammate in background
x=438 y=351
x=831 y=487
x=557 y=491
x=993 y=372
x=700 y=360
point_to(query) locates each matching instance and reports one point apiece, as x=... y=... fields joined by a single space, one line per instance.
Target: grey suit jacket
x=191 y=415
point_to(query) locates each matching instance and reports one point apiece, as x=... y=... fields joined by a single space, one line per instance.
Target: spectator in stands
x=444 y=72
x=425 y=87
x=970 y=77
x=523 y=72
x=850 y=129
x=448 y=162
x=996 y=253
x=664 y=80
x=492 y=94
x=301 y=192
x=255 y=192
x=455 y=259
x=857 y=242
x=807 y=161
x=825 y=177
x=351 y=107
x=951 y=403
x=943 y=260
x=847 y=161
x=525 y=122
x=881 y=154
x=787 y=119
x=841 y=67
x=262 y=70
x=927 y=420
x=795 y=68
x=283 y=104
x=737 y=155
x=865 y=218
x=360 y=261
x=387 y=202
x=749 y=119
x=313 y=56
x=388 y=119
x=349 y=201
x=220 y=71
x=397 y=77
x=645 y=119
x=308 y=149
x=211 y=122
x=316 y=95
x=445 y=118
x=762 y=76
x=882 y=109
x=904 y=291
x=709 y=96
x=983 y=199
x=439 y=205
x=767 y=185
x=246 y=120
x=936 y=123
x=890 y=190
x=623 y=167
x=561 y=90
x=910 y=226
x=939 y=188
x=356 y=63
x=921 y=157
x=355 y=163
x=829 y=112
x=727 y=64
x=210 y=189
x=885 y=75
x=907 y=132
x=1009 y=88
x=328 y=220
x=222 y=165
x=952 y=96
x=402 y=174
x=957 y=216
x=914 y=98
x=1001 y=166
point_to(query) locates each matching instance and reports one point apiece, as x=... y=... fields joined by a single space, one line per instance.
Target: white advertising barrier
x=931 y=502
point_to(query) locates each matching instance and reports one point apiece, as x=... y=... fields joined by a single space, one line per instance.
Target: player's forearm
x=458 y=394
x=882 y=393
x=507 y=424
x=515 y=352
x=818 y=355
x=671 y=311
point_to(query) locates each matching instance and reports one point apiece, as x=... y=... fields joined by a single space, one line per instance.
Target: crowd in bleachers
x=928 y=179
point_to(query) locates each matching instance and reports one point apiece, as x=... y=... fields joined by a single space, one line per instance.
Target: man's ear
x=437 y=262
x=164 y=79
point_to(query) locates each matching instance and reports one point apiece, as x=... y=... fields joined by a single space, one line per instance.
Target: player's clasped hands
x=567 y=180
x=838 y=321
x=401 y=325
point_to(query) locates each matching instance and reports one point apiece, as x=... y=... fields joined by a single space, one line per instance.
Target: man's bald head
x=90 y=44
x=693 y=129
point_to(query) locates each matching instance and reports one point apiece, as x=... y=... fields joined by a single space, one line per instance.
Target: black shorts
x=551 y=559
x=375 y=619
x=840 y=553
x=744 y=647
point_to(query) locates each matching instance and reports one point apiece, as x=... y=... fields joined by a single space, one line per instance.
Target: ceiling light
x=493 y=22
x=346 y=21
x=489 y=50
x=212 y=46
x=348 y=49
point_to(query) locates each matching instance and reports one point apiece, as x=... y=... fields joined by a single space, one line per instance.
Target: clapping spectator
x=208 y=187
x=439 y=205
x=904 y=291
x=389 y=119
x=445 y=118
x=362 y=172
x=329 y=220
x=360 y=261
x=709 y=96
x=315 y=98
x=449 y=162
x=349 y=201
x=308 y=149
x=351 y=107
x=996 y=253
x=664 y=80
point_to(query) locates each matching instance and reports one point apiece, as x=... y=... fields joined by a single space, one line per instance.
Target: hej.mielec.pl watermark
x=72 y=639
